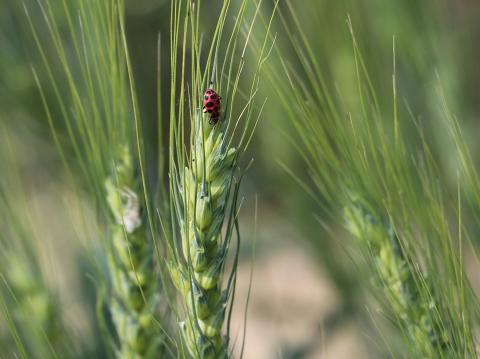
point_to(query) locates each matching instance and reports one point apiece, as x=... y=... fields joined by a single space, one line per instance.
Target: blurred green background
x=307 y=301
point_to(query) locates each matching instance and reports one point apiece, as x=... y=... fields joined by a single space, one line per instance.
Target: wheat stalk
x=103 y=127
x=30 y=306
x=397 y=279
x=134 y=295
x=33 y=307
x=204 y=171
x=365 y=173
x=204 y=189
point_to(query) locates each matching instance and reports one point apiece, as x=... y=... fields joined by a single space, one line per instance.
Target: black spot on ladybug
x=209 y=104
x=209 y=111
x=206 y=97
x=213 y=97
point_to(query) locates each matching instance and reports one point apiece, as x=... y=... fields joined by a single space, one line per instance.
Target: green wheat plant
x=465 y=164
x=30 y=306
x=96 y=106
x=367 y=178
x=159 y=216
x=422 y=47
x=205 y=172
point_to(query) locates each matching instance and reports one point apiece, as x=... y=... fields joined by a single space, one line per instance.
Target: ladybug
x=212 y=105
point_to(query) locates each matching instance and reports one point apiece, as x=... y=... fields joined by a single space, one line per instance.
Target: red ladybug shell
x=212 y=105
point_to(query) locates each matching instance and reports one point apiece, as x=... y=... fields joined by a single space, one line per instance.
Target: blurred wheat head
x=96 y=106
x=367 y=178
x=29 y=302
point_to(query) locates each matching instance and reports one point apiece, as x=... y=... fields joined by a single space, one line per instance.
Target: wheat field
x=250 y=179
